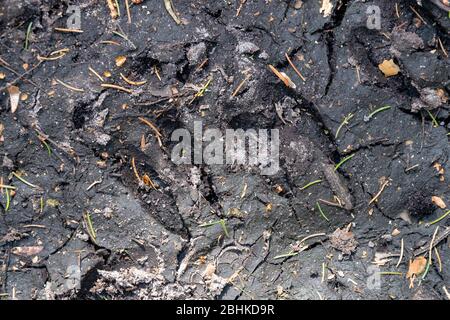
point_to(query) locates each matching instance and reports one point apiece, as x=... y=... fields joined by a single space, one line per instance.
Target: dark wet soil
x=88 y=216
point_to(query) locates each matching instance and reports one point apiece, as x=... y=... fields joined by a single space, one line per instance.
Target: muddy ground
x=87 y=216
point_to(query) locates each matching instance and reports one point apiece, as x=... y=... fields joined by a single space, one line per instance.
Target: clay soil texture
x=92 y=207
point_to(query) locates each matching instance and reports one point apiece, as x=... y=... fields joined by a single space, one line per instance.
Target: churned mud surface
x=79 y=210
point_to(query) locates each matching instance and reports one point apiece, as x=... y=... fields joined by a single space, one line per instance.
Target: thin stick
x=69 y=30
x=69 y=86
x=113 y=86
x=401 y=254
x=312 y=236
x=151 y=125
x=24 y=181
x=7 y=187
x=379 y=192
x=133 y=83
x=438 y=259
x=442 y=47
x=236 y=91
x=293 y=67
x=333 y=204
x=96 y=74
x=418 y=15
x=133 y=164
x=127 y=6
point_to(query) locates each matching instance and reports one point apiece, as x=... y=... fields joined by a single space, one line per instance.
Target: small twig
x=136 y=173
x=20 y=76
x=119 y=88
x=127 y=6
x=442 y=47
x=25 y=181
x=151 y=125
x=438 y=239
x=93 y=184
x=169 y=7
x=238 y=88
x=312 y=236
x=133 y=83
x=69 y=86
x=294 y=67
x=333 y=204
x=430 y=253
x=69 y=30
x=7 y=187
x=438 y=257
x=379 y=192
x=401 y=253
x=96 y=74
x=418 y=15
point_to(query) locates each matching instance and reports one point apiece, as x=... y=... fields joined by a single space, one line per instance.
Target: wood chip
x=389 y=68
x=438 y=201
x=14 y=97
x=120 y=60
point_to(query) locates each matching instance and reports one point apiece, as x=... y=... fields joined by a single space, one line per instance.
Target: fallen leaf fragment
x=14 y=97
x=416 y=267
x=120 y=60
x=389 y=68
x=438 y=201
x=343 y=241
x=26 y=251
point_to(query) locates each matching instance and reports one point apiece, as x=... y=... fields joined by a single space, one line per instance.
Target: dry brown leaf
x=120 y=60
x=389 y=68
x=14 y=96
x=416 y=267
x=438 y=201
x=26 y=251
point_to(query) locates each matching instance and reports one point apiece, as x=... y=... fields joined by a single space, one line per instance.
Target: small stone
x=196 y=53
x=247 y=47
